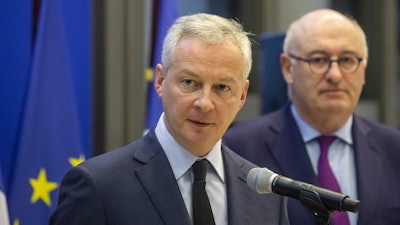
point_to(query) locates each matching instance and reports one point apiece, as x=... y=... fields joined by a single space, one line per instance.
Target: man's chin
x=336 y=106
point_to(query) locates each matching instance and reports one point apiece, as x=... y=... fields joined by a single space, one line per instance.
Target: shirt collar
x=181 y=159
x=309 y=133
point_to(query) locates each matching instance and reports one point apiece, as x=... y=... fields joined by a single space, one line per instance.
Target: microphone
x=265 y=181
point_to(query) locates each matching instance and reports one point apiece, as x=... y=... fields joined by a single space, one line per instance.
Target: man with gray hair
x=180 y=172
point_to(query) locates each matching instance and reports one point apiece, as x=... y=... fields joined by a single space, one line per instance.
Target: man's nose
x=204 y=100
x=334 y=72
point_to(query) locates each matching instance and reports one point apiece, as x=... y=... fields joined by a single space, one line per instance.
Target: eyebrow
x=227 y=79
x=346 y=52
x=194 y=75
x=188 y=72
x=317 y=52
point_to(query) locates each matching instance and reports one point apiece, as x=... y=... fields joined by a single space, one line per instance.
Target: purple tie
x=327 y=179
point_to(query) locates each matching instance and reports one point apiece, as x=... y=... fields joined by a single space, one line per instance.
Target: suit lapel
x=290 y=153
x=158 y=180
x=237 y=190
x=368 y=167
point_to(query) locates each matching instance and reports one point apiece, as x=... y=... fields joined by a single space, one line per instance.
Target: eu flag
x=50 y=141
x=164 y=16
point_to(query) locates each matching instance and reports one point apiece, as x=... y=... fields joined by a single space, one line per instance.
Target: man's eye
x=188 y=82
x=319 y=60
x=222 y=87
x=348 y=60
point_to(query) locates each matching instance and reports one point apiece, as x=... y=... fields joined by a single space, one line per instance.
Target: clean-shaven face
x=202 y=92
x=319 y=95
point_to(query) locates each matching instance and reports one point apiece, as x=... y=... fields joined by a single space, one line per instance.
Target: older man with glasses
x=317 y=138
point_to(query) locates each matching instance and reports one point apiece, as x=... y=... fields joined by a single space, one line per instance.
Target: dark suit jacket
x=135 y=185
x=274 y=141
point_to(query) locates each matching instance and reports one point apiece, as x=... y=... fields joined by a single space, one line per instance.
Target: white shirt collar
x=181 y=159
x=309 y=133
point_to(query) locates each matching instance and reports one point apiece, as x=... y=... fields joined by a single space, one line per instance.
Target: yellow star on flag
x=16 y=222
x=42 y=188
x=76 y=161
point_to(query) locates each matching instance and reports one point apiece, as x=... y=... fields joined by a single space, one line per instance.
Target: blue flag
x=167 y=13
x=3 y=203
x=50 y=142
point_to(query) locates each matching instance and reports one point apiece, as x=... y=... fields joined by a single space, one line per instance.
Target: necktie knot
x=325 y=142
x=200 y=169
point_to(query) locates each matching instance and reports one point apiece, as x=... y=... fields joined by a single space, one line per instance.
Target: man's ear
x=244 y=93
x=159 y=79
x=286 y=68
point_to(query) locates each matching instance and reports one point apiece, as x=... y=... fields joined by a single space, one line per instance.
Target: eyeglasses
x=321 y=65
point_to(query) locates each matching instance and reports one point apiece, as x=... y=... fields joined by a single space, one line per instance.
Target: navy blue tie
x=202 y=212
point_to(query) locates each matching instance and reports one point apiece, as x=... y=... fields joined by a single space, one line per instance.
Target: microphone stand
x=312 y=200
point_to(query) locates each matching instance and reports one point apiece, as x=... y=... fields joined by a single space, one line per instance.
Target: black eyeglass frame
x=330 y=61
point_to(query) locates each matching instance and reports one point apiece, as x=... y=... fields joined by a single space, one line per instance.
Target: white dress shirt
x=181 y=161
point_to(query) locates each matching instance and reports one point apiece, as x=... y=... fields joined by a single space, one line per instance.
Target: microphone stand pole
x=312 y=200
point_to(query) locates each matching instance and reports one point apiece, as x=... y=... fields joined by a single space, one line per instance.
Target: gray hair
x=210 y=28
